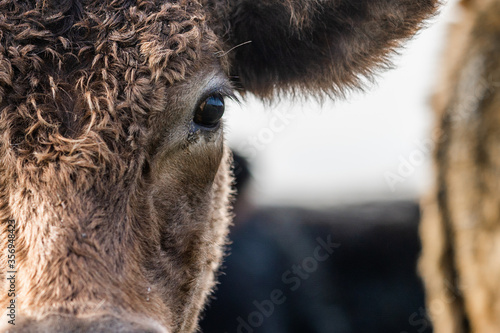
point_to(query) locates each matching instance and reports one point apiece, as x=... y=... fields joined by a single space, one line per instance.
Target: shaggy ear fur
x=315 y=45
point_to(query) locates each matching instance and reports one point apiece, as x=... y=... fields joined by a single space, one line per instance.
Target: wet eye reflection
x=210 y=111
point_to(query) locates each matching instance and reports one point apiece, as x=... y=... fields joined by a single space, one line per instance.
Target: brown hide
x=460 y=230
x=120 y=198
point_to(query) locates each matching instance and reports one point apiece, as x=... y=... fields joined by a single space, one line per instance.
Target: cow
x=114 y=176
x=460 y=230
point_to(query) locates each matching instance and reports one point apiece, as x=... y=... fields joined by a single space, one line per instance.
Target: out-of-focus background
x=341 y=151
x=326 y=230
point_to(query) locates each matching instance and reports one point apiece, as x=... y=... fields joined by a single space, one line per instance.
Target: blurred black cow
x=344 y=270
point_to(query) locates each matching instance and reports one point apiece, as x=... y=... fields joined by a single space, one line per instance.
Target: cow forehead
x=151 y=32
x=84 y=73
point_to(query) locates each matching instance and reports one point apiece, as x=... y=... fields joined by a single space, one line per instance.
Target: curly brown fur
x=121 y=203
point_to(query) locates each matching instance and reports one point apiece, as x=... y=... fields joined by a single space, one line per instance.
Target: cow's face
x=114 y=178
x=113 y=163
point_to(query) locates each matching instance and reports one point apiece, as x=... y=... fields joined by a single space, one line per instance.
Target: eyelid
x=225 y=91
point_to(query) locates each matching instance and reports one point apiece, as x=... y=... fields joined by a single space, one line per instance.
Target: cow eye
x=209 y=113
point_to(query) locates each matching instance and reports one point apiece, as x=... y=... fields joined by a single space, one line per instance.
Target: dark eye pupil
x=210 y=111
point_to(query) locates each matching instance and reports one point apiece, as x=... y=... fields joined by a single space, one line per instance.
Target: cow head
x=114 y=177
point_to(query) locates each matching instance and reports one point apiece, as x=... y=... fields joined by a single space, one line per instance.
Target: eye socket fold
x=209 y=112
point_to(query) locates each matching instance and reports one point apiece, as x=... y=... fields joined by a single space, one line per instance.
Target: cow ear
x=315 y=46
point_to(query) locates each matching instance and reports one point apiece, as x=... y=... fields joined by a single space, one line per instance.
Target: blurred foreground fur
x=460 y=230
